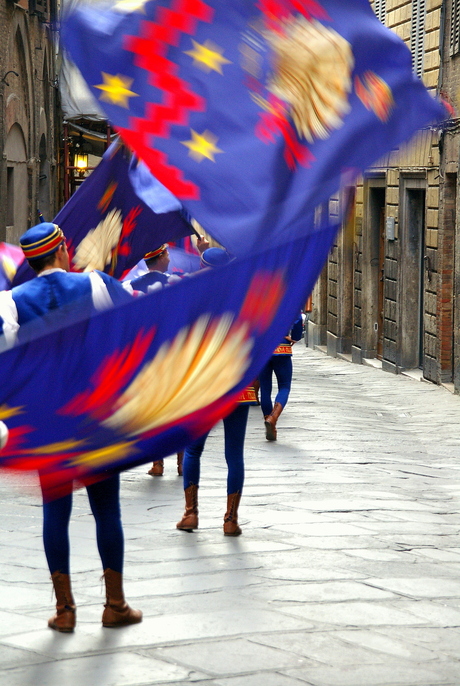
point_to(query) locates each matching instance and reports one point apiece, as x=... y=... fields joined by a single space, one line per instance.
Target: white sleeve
x=155 y=287
x=127 y=286
x=9 y=314
x=101 y=297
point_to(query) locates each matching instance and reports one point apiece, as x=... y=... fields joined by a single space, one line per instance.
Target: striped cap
x=41 y=240
x=156 y=253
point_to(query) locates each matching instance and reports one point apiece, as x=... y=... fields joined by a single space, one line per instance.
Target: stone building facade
x=29 y=116
x=388 y=292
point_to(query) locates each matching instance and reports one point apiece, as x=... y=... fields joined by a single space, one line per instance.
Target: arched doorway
x=17 y=189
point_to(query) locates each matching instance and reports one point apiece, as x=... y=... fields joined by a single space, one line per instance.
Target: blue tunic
x=55 y=295
x=143 y=282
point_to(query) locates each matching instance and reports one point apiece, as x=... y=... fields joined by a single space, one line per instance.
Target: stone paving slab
x=239 y=656
x=322 y=592
x=118 y=668
x=163 y=629
x=396 y=673
x=346 y=573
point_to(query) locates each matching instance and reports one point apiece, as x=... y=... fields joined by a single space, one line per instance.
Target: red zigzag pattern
x=150 y=49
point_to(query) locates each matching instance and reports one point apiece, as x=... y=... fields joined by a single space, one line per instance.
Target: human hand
x=202 y=244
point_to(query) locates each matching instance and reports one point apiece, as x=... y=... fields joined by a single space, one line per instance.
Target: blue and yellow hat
x=41 y=240
x=215 y=257
x=157 y=252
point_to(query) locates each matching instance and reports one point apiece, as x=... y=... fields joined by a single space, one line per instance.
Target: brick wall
x=28 y=101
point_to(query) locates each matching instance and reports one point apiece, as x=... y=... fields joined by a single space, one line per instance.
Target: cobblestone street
x=347 y=572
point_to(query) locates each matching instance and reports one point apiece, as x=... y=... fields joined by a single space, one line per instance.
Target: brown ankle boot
x=64 y=620
x=190 y=519
x=116 y=610
x=180 y=458
x=270 y=428
x=231 y=527
x=270 y=422
x=157 y=468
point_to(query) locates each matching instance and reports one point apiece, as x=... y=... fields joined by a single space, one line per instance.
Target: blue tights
x=234 y=431
x=105 y=505
x=282 y=366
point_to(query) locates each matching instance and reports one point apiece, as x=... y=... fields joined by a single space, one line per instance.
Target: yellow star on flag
x=115 y=89
x=202 y=145
x=208 y=56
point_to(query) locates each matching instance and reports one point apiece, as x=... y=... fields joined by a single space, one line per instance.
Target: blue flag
x=137 y=383
x=250 y=112
x=118 y=214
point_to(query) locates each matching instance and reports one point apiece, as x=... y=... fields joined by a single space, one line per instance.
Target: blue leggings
x=282 y=366
x=105 y=505
x=234 y=431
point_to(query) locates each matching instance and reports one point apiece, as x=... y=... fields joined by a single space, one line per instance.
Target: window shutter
x=455 y=28
x=381 y=10
x=40 y=8
x=418 y=35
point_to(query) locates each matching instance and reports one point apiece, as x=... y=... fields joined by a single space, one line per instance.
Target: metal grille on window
x=381 y=10
x=418 y=35
x=455 y=28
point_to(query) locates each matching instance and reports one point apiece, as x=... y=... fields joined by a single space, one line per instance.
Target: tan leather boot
x=270 y=422
x=65 y=618
x=116 y=610
x=231 y=527
x=180 y=458
x=190 y=519
x=157 y=468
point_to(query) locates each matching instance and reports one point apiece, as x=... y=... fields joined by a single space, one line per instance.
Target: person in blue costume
x=157 y=262
x=234 y=431
x=158 y=277
x=280 y=363
x=29 y=307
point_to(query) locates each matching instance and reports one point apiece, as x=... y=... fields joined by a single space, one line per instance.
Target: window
x=40 y=8
x=455 y=28
x=380 y=9
x=418 y=35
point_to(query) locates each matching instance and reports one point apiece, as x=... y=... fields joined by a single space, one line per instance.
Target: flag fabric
x=182 y=261
x=11 y=257
x=187 y=245
x=138 y=383
x=250 y=112
x=108 y=225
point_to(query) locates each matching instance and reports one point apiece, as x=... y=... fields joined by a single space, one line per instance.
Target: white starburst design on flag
x=95 y=250
x=312 y=74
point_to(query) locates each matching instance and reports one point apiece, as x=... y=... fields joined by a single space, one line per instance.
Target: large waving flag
x=118 y=214
x=250 y=111
x=134 y=383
